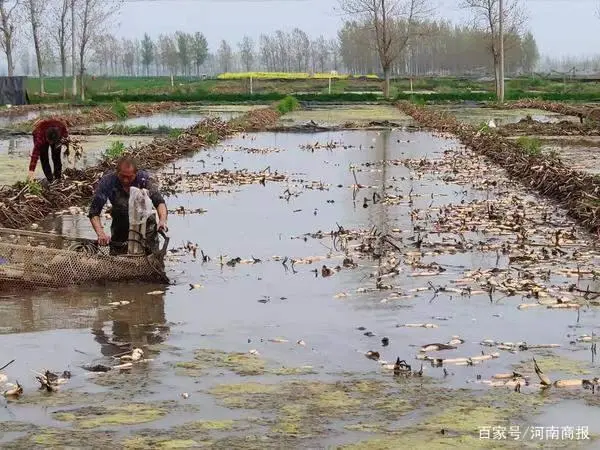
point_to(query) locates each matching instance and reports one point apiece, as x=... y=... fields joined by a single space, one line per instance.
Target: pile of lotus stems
x=18 y=110
x=577 y=192
x=103 y=114
x=582 y=111
x=564 y=128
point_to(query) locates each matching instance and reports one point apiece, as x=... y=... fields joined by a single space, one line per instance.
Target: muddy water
x=269 y=400
x=15 y=154
x=475 y=115
x=185 y=118
x=336 y=115
x=579 y=153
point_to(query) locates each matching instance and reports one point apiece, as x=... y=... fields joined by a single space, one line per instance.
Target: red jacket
x=40 y=143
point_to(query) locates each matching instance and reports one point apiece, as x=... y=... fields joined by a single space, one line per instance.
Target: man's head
x=53 y=136
x=126 y=171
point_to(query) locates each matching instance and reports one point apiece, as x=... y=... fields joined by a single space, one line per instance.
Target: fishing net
x=31 y=259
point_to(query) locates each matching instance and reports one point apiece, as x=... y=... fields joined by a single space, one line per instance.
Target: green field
x=106 y=89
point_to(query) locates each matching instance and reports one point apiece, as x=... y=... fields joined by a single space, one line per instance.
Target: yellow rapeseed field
x=289 y=76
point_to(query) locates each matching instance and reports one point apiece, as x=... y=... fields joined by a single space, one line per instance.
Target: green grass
x=116 y=149
x=34 y=187
x=174 y=132
x=128 y=130
x=193 y=89
x=491 y=97
x=531 y=146
x=218 y=98
x=120 y=110
x=288 y=104
x=53 y=85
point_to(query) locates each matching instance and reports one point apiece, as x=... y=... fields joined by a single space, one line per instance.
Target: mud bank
x=591 y=112
x=101 y=114
x=530 y=126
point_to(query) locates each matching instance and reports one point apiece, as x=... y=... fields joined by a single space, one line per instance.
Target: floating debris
x=372 y=355
x=119 y=303
x=156 y=293
x=136 y=355
x=14 y=392
x=50 y=381
x=418 y=325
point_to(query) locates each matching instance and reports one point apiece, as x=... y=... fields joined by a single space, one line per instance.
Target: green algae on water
x=243 y=364
x=104 y=416
x=141 y=443
x=56 y=438
x=551 y=363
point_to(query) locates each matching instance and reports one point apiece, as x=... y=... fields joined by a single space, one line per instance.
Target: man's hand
x=162 y=226
x=103 y=238
x=31 y=175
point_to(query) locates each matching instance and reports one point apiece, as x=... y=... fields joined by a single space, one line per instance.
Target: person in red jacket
x=48 y=137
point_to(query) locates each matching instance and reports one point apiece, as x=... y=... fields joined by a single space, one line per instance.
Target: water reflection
x=138 y=324
x=73 y=226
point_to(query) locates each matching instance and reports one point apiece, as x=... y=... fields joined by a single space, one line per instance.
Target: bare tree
x=128 y=56
x=8 y=19
x=225 y=55
x=73 y=46
x=35 y=12
x=25 y=61
x=59 y=32
x=92 y=18
x=247 y=53
x=486 y=15
x=300 y=49
x=147 y=53
x=320 y=54
x=168 y=54
x=199 y=50
x=183 y=41
x=384 y=16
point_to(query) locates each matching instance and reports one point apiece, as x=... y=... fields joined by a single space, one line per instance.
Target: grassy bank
x=491 y=97
x=235 y=88
x=216 y=98
x=294 y=83
x=259 y=98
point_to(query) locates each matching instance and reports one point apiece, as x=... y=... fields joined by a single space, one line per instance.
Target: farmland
x=342 y=263
x=274 y=86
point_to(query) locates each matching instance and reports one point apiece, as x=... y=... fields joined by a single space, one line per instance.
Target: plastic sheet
x=140 y=206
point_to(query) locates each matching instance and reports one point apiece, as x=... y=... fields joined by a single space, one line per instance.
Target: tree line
x=438 y=48
x=441 y=49
x=396 y=37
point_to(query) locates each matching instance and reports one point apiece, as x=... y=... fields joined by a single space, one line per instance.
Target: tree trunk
x=81 y=81
x=9 y=58
x=38 y=57
x=497 y=76
x=386 y=86
x=82 y=70
x=63 y=63
x=73 y=52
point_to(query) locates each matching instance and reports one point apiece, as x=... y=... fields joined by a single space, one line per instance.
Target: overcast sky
x=560 y=26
